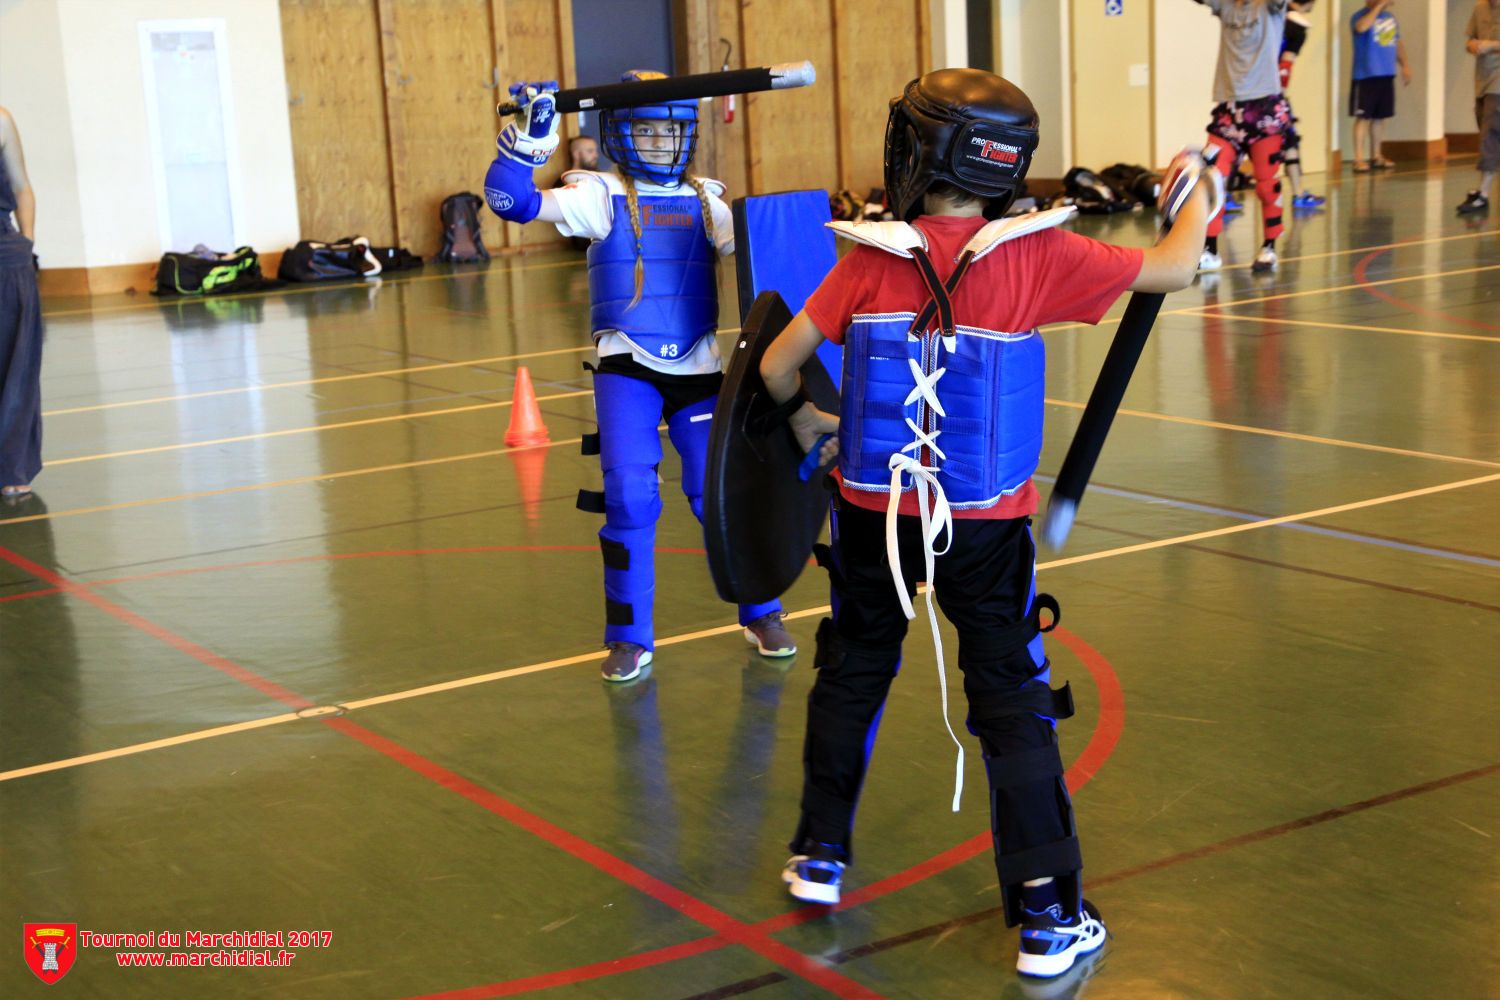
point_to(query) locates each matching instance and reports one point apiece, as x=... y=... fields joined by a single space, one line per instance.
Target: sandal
x=1361 y=167
x=1383 y=164
x=14 y=491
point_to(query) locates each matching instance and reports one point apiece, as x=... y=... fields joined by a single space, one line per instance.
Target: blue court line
x=1348 y=536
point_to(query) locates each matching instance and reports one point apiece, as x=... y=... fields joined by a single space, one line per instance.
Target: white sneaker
x=813 y=879
x=1050 y=943
x=1210 y=261
x=1265 y=260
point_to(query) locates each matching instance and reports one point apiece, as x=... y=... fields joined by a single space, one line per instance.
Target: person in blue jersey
x=656 y=235
x=1378 y=54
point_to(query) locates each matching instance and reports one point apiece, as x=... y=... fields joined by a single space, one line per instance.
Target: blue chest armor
x=983 y=438
x=679 y=302
x=991 y=392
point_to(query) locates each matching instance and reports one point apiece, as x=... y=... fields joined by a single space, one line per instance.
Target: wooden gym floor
x=289 y=641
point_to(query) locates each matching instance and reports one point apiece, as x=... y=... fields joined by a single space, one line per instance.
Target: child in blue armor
x=938 y=436
x=654 y=310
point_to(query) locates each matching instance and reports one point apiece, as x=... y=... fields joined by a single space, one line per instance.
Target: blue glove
x=535 y=138
x=509 y=189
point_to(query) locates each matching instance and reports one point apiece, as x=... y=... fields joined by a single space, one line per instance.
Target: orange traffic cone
x=530 y=467
x=526 y=427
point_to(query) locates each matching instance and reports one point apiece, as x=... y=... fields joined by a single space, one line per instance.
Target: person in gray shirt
x=1252 y=115
x=1483 y=42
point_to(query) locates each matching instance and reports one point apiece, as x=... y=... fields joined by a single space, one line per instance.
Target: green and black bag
x=191 y=274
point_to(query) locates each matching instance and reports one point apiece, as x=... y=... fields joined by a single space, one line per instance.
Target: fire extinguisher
x=728 y=100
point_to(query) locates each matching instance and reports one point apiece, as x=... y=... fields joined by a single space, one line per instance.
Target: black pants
x=983 y=585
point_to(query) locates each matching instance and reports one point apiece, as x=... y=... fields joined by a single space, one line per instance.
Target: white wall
x=95 y=139
x=1034 y=56
x=34 y=88
x=950 y=34
x=1186 y=37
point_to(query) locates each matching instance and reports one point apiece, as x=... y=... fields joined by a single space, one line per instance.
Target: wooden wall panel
x=539 y=46
x=437 y=65
x=876 y=59
x=793 y=133
x=339 y=142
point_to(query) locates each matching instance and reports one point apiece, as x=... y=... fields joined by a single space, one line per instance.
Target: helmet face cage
x=616 y=130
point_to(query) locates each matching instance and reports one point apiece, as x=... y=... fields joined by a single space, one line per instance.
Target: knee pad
x=632 y=499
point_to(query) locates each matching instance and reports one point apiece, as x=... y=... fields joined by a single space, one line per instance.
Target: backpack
x=195 y=274
x=462 y=239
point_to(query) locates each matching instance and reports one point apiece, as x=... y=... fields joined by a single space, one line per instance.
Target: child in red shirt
x=938 y=436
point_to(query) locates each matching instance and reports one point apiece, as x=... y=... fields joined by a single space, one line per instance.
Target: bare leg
x=1361 y=140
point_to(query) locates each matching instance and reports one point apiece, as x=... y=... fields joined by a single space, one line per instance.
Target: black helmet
x=967 y=127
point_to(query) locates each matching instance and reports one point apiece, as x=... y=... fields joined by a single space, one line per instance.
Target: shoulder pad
x=892 y=237
x=1002 y=230
x=611 y=182
x=713 y=187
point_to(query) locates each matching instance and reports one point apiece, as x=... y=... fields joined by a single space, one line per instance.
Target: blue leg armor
x=629 y=452
x=689 y=430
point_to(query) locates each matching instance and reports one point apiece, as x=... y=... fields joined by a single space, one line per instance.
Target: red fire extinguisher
x=729 y=100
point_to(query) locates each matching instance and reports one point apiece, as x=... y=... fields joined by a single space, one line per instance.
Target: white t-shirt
x=588 y=211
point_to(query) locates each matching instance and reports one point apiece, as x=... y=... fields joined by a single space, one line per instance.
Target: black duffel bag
x=198 y=273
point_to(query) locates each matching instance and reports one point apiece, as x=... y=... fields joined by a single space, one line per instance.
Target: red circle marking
x=1362 y=267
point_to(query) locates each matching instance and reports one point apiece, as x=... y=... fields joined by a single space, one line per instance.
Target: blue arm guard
x=510 y=192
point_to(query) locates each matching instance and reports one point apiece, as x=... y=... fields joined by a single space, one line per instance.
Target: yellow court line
x=249 y=487
x=183 y=446
x=302 y=290
x=1336 y=288
x=539 y=354
x=1370 y=249
x=567 y=661
x=1289 y=435
x=1270 y=522
x=1207 y=313
x=317 y=381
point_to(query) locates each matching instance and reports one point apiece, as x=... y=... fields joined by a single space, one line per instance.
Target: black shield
x=760 y=519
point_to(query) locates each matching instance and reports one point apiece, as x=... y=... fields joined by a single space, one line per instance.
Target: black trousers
x=983 y=585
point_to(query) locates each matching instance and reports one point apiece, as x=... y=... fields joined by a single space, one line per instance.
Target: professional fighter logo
x=995 y=152
x=49 y=949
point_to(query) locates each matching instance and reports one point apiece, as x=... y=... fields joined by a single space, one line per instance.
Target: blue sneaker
x=1051 y=943
x=1308 y=200
x=1230 y=205
x=814 y=878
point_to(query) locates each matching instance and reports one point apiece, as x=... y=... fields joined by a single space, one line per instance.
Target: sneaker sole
x=644 y=661
x=750 y=637
x=810 y=892
x=1052 y=966
x=1262 y=268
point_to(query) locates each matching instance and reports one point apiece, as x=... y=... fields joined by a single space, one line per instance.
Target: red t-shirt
x=1052 y=276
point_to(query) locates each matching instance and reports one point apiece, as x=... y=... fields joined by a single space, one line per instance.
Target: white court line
x=568 y=661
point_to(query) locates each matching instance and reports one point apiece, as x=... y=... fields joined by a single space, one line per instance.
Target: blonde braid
x=633 y=202
x=708 y=211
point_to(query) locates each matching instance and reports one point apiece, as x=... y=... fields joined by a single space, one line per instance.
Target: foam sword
x=783 y=76
x=1114 y=377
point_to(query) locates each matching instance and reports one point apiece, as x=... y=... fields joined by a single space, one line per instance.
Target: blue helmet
x=619 y=139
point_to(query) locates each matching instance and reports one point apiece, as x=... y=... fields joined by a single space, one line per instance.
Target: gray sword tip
x=1058 y=522
x=785 y=76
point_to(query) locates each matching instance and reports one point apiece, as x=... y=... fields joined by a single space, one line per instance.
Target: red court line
x=1101 y=745
x=732 y=930
x=376 y=554
x=1362 y=267
x=206 y=657
x=583 y=973
x=31 y=593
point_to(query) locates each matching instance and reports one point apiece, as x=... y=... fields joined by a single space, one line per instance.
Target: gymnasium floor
x=1280 y=618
